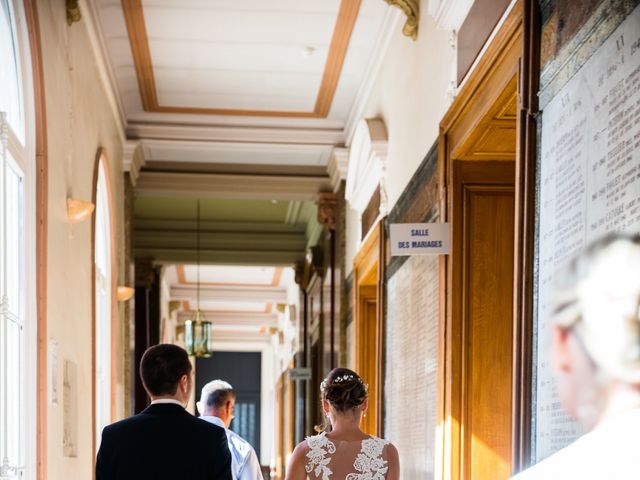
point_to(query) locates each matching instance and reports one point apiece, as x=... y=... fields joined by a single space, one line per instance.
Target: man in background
x=164 y=441
x=596 y=356
x=216 y=405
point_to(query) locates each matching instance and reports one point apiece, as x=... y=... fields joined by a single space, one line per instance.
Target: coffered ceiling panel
x=206 y=60
x=224 y=275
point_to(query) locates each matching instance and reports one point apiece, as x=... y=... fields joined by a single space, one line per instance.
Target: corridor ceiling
x=241 y=302
x=240 y=102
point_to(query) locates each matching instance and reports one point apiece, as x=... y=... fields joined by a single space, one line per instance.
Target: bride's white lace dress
x=357 y=460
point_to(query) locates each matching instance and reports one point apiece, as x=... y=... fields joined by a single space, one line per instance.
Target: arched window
x=105 y=305
x=18 y=345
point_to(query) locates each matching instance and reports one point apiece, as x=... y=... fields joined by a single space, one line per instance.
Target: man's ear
x=561 y=349
x=199 y=408
x=184 y=383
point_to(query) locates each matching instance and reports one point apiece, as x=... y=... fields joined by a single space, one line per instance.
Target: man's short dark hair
x=219 y=398
x=161 y=368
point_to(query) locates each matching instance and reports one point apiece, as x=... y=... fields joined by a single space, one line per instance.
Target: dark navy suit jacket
x=163 y=442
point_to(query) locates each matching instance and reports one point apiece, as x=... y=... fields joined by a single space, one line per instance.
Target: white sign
x=299 y=374
x=419 y=239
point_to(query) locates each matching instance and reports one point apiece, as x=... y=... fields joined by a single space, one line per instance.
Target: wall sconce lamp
x=125 y=293
x=79 y=210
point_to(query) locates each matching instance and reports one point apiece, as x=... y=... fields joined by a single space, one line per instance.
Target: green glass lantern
x=198 y=332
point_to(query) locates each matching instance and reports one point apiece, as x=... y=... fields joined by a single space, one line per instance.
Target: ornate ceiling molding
x=232 y=186
x=229 y=293
x=132 y=159
x=449 y=14
x=73 y=12
x=236 y=133
x=327 y=203
x=367 y=165
x=338 y=167
x=102 y=64
x=389 y=27
x=140 y=48
x=411 y=8
x=225 y=243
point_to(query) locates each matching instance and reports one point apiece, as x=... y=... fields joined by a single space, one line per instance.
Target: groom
x=164 y=441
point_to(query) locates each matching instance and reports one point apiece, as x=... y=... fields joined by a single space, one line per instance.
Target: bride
x=344 y=453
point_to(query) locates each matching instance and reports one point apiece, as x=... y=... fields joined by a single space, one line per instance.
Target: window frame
x=33 y=381
x=102 y=171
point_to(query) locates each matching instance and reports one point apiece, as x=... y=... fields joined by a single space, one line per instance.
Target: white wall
x=79 y=121
x=410 y=95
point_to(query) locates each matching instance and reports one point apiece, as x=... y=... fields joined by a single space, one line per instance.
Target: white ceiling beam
x=219 y=240
x=238 y=256
x=172 y=224
x=232 y=133
x=229 y=293
x=231 y=186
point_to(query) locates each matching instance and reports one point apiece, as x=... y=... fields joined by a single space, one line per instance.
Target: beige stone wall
x=79 y=122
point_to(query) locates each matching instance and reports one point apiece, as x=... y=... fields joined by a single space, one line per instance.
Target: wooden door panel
x=487 y=331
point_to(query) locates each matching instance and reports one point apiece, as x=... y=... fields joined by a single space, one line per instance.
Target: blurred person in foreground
x=596 y=357
x=164 y=442
x=216 y=405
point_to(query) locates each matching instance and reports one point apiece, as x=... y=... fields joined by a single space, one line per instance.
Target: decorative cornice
x=389 y=27
x=231 y=186
x=449 y=14
x=367 y=164
x=230 y=293
x=338 y=167
x=327 y=202
x=256 y=243
x=132 y=159
x=236 y=133
x=73 y=12
x=411 y=8
x=103 y=66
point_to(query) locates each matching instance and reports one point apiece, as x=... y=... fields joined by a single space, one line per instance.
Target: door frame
x=368 y=285
x=510 y=61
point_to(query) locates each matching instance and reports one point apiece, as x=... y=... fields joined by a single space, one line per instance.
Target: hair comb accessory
x=342 y=379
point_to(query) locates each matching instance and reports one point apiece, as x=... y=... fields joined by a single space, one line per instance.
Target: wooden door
x=369 y=326
x=367 y=351
x=482 y=316
x=485 y=173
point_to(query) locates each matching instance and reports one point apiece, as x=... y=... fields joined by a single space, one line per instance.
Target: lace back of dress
x=364 y=460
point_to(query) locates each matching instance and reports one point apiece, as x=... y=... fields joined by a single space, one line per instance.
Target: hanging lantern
x=198 y=336
x=198 y=332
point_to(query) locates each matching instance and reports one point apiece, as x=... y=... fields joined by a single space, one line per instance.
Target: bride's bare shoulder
x=296 y=468
x=393 y=462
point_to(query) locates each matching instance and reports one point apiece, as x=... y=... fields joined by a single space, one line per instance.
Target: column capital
x=327 y=204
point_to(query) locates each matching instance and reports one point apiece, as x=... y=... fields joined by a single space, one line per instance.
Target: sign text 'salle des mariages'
x=419 y=239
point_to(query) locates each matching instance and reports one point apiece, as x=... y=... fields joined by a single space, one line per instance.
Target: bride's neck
x=345 y=425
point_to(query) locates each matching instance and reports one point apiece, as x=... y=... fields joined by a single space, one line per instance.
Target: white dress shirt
x=244 y=461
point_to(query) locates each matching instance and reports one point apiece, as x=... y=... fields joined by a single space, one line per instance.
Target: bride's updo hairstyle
x=344 y=390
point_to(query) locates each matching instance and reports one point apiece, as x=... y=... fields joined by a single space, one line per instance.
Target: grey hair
x=216 y=393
